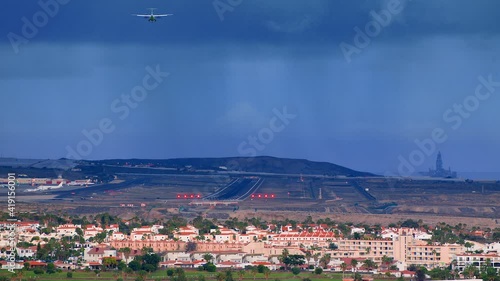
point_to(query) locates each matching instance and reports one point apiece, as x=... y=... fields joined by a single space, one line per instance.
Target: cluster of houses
x=232 y=248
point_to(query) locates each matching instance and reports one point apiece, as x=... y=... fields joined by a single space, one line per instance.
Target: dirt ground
x=345 y=200
x=383 y=219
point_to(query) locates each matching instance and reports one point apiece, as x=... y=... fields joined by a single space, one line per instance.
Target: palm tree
x=308 y=256
x=220 y=277
x=126 y=252
x=127 y=272
x=468 y=245
x=434 y=256
x=254 y=271
x=354 y=263
x=325 y=260
x=141 y=274
x=316 y=258
x=470 y=270
x=208 y=257
x=343 y=266
x=284 y=255
x=19 y=275
x=387 y=260
x=368 y=264
x=241 y=273
x=267 y=271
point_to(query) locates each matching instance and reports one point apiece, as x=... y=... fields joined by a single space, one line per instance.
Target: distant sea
x=479 y=175
x=471 y=175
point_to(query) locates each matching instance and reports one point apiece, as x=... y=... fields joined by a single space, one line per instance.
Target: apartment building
x=413 y=251
x=477 y=260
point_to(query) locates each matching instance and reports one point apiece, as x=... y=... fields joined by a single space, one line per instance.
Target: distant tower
x=320 y=195
x=439 y=162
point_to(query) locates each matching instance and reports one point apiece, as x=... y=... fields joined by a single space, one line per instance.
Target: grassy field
x=191 y=275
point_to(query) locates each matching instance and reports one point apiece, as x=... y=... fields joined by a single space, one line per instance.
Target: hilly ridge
x=259 y=164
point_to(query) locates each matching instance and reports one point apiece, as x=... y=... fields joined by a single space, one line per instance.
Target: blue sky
x=228 y=77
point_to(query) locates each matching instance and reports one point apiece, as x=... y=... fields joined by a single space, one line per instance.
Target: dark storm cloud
x=229 y=75
x=275 y=22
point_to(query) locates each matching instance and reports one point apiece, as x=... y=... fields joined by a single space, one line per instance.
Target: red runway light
x=178 y=196
x=272 y=195
x=253 y=195
x=192 y=196
x=260 y=195
x=265 y=195
x=185 y=196
x=198 y=196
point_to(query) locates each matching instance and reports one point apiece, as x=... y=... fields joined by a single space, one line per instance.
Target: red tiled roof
x=262 y=262
x=36 y=263
x=228 y=263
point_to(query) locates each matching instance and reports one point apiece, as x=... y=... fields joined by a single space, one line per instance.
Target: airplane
x=81 y=183
x=47 y=187
x=152 y=17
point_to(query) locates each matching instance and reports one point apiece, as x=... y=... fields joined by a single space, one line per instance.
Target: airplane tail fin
x=61 y=184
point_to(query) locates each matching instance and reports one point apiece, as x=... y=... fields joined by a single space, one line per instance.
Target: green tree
x=135 y=265
x=420 y=274
x=150 y=261
x=296 y=271
x=121 y=266
x=51 y=268
x=490 y=274
x=109 y=262
x=333 y=246
x=293 y=260
x=210 y=267
x=179 y=275
x=318 y=271
x=229 y=275
x=191 y=246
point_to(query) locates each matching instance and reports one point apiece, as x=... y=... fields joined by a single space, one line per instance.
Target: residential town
x=395 y=250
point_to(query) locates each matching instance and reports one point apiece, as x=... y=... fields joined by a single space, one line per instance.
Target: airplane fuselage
x=152 y=19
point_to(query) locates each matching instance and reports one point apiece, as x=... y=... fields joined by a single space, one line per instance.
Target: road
x=238 y=189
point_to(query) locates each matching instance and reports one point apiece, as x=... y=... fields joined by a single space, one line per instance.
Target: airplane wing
x=142 y=16
x=164 y=15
